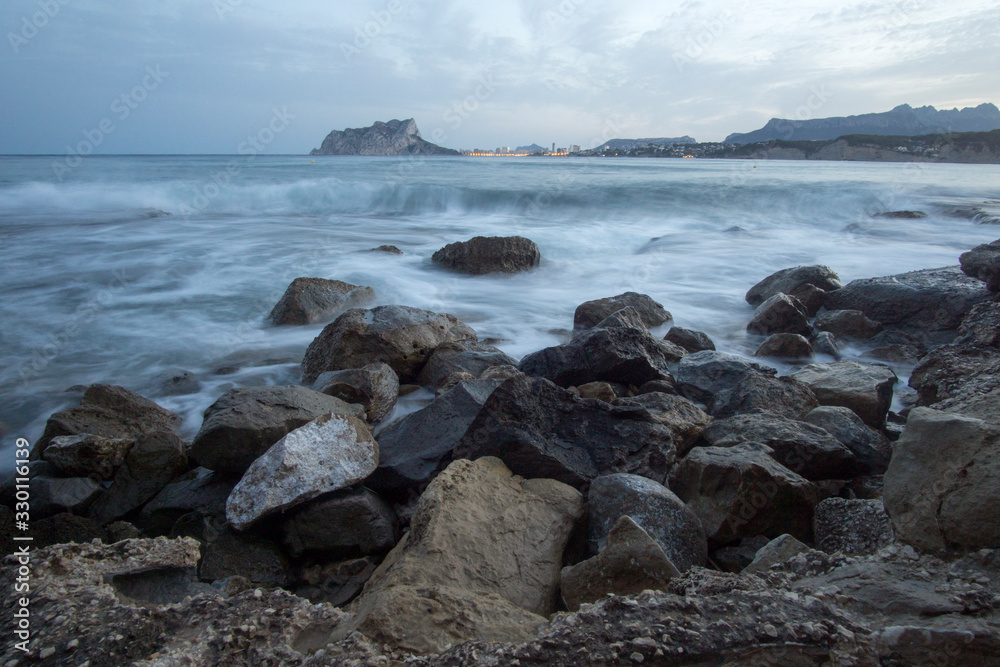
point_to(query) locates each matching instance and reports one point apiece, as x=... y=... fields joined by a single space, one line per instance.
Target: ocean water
x=129 y=270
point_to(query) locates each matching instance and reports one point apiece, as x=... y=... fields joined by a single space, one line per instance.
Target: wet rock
x=863 y=387
x=811 y=297
x=400 y=336
x=685 y=420
x=780 y=314
x=631 y=562
x=375 y=387
x=500 y=373
x=689 y=339
x=759 y=392
x=463 y=357
x=871 y=449
x=179 y=383
x=942 y=488
x=741 y=491
x=64 y=528
x=244 y=423
x=848 y=324
x=983 y=263
x=778 y=550
x=196 y=490
x=901 y=215
x=590 y=313
x=55 y=495
x=309 y=300
x=390 y=249
x=539 y=429
x=602 y=391
x=255 y=557
x=736 y=558
x=329 y=453
x=489 y=254
x=651 y=506
x=852 y=527
x=826 y=343
x=86 y=455
x=785 y=346
x=349 y=523
x=788 y=280
x=981 y=327
x=701 y=375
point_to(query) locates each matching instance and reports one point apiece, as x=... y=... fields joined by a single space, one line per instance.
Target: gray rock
x=983 y=263
x=179 y=383
x=736 y=558
x=86 y=455
x=780 y=314
x=778 y=550
x=255 y=557
x=685 y=420
x=811 y=297
x=788 y=280
x=590 y=313
x=963 y=380
x=701 y=375
x=346 y=524
x=54 y=495
x=462 y=357
x=375 y=387
x=848 y=324
x=500 y=373
x=394 y=137
x=654 y=508
x=852 y=527
x=602 y=391
x=400 y=336
x=826 y=343
x=490 y=254
x=196 y=490
x=627 y=317
x=309 y=300
x=865 y=388
x=689 y=339
x=389 y=249
x=785 y=346
x=871 y=449
x=8 y=488
x=981 y=327
x=335 y=583
x=244 y=423
x=759 y=392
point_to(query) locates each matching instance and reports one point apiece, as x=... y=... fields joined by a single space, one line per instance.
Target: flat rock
x=983 y=263
x=981 y=327
x=871 y=449
x=785 y=346
x=685 y=420
x=55 y=495
x=848 y=324
x=701 y=375
x=374 y=387
x=86 y=455
x=309 y=300
x=689 y=339
x=780 y=314
x=788 y=280
x=400 y=336
x=590 y=313
x=959 y=376
x=489 y=254
x=852 y=527
x=760 y=392
x=865 y=388
x=468 y=356
x=327 y=454
x=346 y=524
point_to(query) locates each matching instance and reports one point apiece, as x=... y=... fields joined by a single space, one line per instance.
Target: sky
x=202 y=76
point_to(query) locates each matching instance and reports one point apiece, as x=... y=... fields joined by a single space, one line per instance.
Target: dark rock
x=590 y=313
x=654 y=508
x=741 y=492
x=779 y=550
x=701 y=375
x=253 y=556
x=759 y=392
x=335 y=583
x=901 y=215
x=802 y=448
x=63 y=528
x=390 y=249
x=780 y=314
x=375 y=387
x=847 y=324
x=462 y=357
x=86 y=455
x=657 y=386
x=685 y=420
x=179 y=383
x=540 y=430
x=983 y=263
x=245 y=422
x=412 y=450
x=689 y=339
x=602 y=391
x=787 y=281
x=960 y=379
x=108 y=411
x=627 y=317
x=152 y=462
x=863 y=387
x=737 y=558
x=196 y=490
x=55 y=495
x=8 y=488
x=346 y=524
x=489 y=254
x=811 y=297
x=852 y=527
x=400 y=336
x=310 y=300
x=503 y=372
x=871 y=449
x=785 y=346
x=121 y=530
x=869 y=487
x=826 y=343
x=981 y=327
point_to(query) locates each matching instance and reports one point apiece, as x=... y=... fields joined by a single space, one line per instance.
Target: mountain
x=530 y=149
x=397 y=137
x=628 y=144
x=904 y=120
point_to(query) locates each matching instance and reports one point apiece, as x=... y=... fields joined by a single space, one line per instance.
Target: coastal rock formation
x=467 y=356
x=375 y=387
x=700 y=376
x=785 y=346
x=590 y=313
x=490 y=254
x=689 y=339
x=848 y=324
x=864 y=388
x=310 y=300
x=396 y=137
x=983 y=263
x=789 y=281
x=780 y=314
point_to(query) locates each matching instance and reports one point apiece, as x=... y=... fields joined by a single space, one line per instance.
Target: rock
x=826 y=343
x=63 y=529
x=701 y=375
x=631 y=562
x=489 y=254
x=983 y=263
x=981 y=327
x=413 y=449
x=179 y=383
x=54 y=495
x=108 y=411
x=255 y=557
x=8 y=488
x=689 y=339
x=590 y=313
x=309 y=300
x=788 y=280
x=654 y=508
x=942 y=488
x=848 y=324
x=904 y=215
x=86 y=455
x=375 y=387
x=346 y=524
x=602 y=391
x=657 y=386
x=244 y=423
x=627 y=317
x=963 y=380
x=121 y=530
x=785 y=346
x=737 y=558
x=871 y=449
x=759 y=392
x=500 y=373
x=152 y=462
x=811 y=297
x=199 y=490
x=741 y=491
x=685 y=420
x=390 y=249
x=780 y=314
x=463 y=357
x=624 y=355
x=335 y=583
x=803 y=448
x=477 y=528
x=932 y=302
x=778 y=550
x=852 y=527
x=863 y=387
x=329 y=453
x=539 y=429
x=394 y=137
x=400 y=336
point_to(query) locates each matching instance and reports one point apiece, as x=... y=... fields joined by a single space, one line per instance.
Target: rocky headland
x=395 y=137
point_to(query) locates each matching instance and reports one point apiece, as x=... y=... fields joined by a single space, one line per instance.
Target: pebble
x=770 y=631
x=47 y=652
x=257 y=593
x=637 y=657
x=72 y=644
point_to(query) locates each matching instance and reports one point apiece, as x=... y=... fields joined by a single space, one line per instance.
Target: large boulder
x=852 y=527
x=685 y=420
x=701 y=375
x=981 y=327
x=412 y=450
x=983 y=263
x=55 y=495
x=199 y=490
x=468 y=356
x=963 y=379
x=400 y=336
x=788 y=281
x=489 y=254
x=780 y=314
x=942 y=488
x=624 y=355
x=346 y=524
x=310 y=300
x=631 y=562
x=375 y=387
x=863 y=387
x=848 y=324
x=741 y=491
x=785 y=346
x=652 y=506
x=327 y=454
x=108 y=411
x=689 y=339
x=871 y=449
x=761 y=392
x=244 y=423
x=779 y=550
x=539 y=429
x=88 y=454
x=590 y=313
x=802 y=448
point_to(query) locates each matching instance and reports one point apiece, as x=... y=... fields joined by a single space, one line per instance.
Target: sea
x=133 y=270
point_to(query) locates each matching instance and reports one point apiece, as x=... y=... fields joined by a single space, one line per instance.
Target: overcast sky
x=199 y=76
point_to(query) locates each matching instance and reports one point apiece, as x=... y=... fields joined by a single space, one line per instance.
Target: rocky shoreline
x=617 y=499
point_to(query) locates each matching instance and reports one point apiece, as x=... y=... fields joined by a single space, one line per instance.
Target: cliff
x=396 y=137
